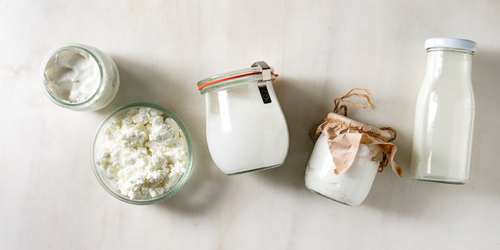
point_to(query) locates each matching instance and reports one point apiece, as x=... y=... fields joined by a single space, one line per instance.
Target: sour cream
x=79 y=77
x=72 y=75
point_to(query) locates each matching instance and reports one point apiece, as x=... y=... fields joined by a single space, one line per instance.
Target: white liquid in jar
x=444 y=120
x=243 y=133
x=349 y=188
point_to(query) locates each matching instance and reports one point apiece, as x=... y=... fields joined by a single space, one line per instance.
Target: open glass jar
x=79 y=77
x=246 y=128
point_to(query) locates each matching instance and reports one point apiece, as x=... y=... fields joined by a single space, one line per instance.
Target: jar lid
x=456 y=43
x=258 y=72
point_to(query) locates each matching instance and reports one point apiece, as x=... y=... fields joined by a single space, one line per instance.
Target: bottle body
x=444 y=118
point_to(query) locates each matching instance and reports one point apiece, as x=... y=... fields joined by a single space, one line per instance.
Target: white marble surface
x=50 y=199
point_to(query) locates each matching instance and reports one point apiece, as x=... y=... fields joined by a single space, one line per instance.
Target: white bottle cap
x=450 y=43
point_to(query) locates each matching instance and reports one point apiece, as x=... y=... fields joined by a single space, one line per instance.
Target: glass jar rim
x=232 y=78
x=433 y=49
x=169 y=193
x=76 y=46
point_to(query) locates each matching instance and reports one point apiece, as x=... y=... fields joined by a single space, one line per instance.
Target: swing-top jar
x=246 y=128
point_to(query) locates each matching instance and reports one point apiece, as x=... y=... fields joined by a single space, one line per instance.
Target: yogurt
x=72 y=75
x=79 y=77
x=349 y=188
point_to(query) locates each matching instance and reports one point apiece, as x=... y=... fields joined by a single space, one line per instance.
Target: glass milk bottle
x=444 y=114
x=246 y=129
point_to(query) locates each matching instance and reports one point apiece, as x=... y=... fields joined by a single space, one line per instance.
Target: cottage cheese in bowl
x=142 y=153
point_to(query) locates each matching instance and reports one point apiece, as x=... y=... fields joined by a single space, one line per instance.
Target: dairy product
x=243 y=133
x=246 y=129
x=444 y=119
x=79 y=77
x=143 y=153
x=72 y=75
x=350 y=188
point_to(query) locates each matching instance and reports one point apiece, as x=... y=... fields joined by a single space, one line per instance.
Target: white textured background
x=50 y=199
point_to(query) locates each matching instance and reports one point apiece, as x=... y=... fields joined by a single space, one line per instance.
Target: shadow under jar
x=245 y=126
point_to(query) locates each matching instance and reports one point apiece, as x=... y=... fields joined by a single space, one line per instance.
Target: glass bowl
x=110 y=185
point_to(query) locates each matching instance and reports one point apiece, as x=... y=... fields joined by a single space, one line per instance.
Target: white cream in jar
x=349 y=188
x=72 y=75
x=79 y=77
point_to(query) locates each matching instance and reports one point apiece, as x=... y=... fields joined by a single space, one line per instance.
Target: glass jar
x=79 y=77
x=444 y=114
x=350 y=188
x=245 y=126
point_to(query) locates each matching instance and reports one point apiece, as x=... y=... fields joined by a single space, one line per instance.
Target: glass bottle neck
x=445 y=61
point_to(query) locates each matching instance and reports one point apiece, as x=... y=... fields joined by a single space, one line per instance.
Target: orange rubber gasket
x=231 y=77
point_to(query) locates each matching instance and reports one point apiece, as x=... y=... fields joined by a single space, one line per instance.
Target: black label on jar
x=266 y=98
